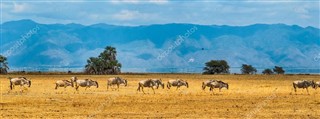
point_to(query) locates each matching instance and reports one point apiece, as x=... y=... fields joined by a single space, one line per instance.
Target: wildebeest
x=146 y=83
x=218 y=84
x=317 y=84
x=158 y=83
x=86 y=83
x=207 y=83
x=63 y=83
x=19 y=81
x=116 y=81
x=303 y=84
x=177 y=83
x=74 y=79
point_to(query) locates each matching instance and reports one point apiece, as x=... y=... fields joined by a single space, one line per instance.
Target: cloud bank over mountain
x=147 y=12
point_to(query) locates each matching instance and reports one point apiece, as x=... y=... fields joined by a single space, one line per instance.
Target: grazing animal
x=19 y=81
x=63 y=83
x=303 y=84
x=207 y=83
x=317 y=84
x=86 y=83
x=218 y=84
x=178 y=83
x=158 y=83
x=116 y=81
x=73 y=79
x=146 y=83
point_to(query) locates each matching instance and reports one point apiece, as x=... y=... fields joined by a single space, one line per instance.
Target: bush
x=216 y=67
x=278 y=70
x=105 y=63
x=248 y=69
x=267 y=71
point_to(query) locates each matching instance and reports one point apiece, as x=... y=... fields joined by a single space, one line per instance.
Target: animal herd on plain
x=148 y=83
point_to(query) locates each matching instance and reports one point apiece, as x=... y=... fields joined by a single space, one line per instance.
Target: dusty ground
x=255 y=96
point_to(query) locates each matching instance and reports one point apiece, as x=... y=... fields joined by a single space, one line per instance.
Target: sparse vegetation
x=247 y=97
x=105 y=63
x=3 y=65
x=267 y=71
x=278 y=70
x=216 y=67
x=248 y=69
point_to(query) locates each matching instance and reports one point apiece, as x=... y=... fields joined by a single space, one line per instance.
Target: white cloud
x=124 y=1
x=139 y=1
x=159 y=1
x=145 y=12
x=126 y=15
x=19 y=7
x=302 y=12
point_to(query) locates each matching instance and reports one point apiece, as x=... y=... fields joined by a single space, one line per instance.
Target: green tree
x=216 y=67
x=3 y=65
x=267 y=71
x=105 y=63
x=278 y=70
x=248 y=69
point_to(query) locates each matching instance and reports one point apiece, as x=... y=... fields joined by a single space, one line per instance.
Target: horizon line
x=142 y=25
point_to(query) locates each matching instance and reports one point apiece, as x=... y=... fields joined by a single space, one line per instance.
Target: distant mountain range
x=139 y=47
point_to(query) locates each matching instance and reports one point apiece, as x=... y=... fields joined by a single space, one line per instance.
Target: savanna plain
x=248 y=96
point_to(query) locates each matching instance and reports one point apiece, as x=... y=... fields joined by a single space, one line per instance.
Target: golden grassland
x=249 y=96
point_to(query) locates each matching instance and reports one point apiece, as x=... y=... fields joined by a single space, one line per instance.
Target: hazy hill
x=262 y=45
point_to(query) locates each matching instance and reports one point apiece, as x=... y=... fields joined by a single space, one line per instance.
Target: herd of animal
x=305 y=84
x=148 y=83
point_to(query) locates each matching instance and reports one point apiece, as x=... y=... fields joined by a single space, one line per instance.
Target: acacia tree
x=105 y=63
x=3 y=65
x=267 y=72
x=248 y=69
x=278 y=70
x=216 y=67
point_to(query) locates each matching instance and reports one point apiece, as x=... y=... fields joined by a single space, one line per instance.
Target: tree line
x=222 y=67
x=107 y=63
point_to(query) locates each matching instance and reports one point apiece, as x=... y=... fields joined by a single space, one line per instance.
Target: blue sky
x=145 y=12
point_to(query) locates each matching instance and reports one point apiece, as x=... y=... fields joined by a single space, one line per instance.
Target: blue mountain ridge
x=70 y=45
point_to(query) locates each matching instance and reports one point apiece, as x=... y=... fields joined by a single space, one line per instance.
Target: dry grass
x=254 y=96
